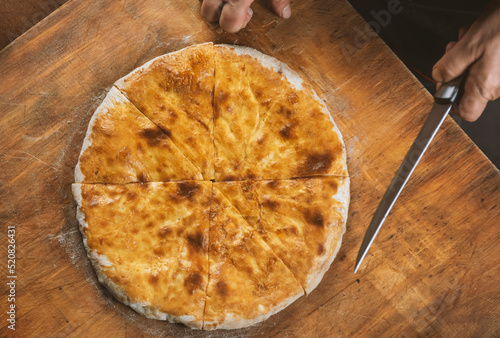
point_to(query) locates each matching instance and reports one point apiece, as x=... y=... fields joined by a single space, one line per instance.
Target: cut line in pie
x=211 y=188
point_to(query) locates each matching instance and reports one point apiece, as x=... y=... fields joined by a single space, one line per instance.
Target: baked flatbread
x=246 y=196
x=176 y=92
x=122 y=146
x=268 y=123
x=148 y=243
x=247 y=282
x=302 y=220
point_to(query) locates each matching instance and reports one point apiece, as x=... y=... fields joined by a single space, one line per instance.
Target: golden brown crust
x=303 y=221
x=175 y=92
x=122 y=146
x=268 y=124
x=247 y=281
x=149 y=244
x=243 y=197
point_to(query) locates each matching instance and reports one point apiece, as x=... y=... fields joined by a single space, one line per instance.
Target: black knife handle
x=450 y=91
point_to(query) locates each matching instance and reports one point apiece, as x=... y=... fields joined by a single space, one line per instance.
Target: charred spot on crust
x=286 y=131
x=273 y=184
x=153 y=136
x=172 y=113
x=158 y=252
x=193 y=281
x=293 y=230
x=314 y=217
x=142 y=177
x=196 y=241
x=221 y=288
x=334 y=185
x=250 y=175
x=230 y=178
x=167 y=132
x=131 y=195
x=222 y=97
x=321 y=250
x=270 y=204
x=285 y=111
x=188 y=190
x=191 y=140
x=153 y=279
x=164 y=232
x=316 y=163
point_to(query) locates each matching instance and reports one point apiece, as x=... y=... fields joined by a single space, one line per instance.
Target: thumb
x=454 y=62
x=282 y=8
x=235 y=15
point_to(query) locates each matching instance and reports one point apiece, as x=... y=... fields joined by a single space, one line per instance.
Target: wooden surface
x=434 y=268
x=16 y=17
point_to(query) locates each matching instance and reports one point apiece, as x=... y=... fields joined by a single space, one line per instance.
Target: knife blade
x=444 y=99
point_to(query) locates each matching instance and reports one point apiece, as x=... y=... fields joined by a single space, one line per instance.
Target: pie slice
x=175 y=92
x=302 y=220
x=247 y=281
x=148 y=243
x=268 y=123
x=122 y=145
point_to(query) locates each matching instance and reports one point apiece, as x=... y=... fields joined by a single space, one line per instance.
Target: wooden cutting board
x=434 y=268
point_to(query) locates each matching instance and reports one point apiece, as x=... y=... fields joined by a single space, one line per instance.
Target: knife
x=445 y=97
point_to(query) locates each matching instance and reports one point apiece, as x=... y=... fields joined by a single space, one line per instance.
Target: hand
x=234 y=15
x=478 y=50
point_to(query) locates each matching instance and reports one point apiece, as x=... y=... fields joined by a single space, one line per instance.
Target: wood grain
x=434 y=268
x=19 y=16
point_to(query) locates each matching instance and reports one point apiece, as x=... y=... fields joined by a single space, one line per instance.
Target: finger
x=235 y=14
x=471 y=106
x=282 y=8
x=450 y=45
x=481 y=85
x=454 y=62
x=462 y=32
x=211 y=9
x=248 y=17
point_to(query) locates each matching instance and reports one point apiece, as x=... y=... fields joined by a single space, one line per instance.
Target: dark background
x=419 y=35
